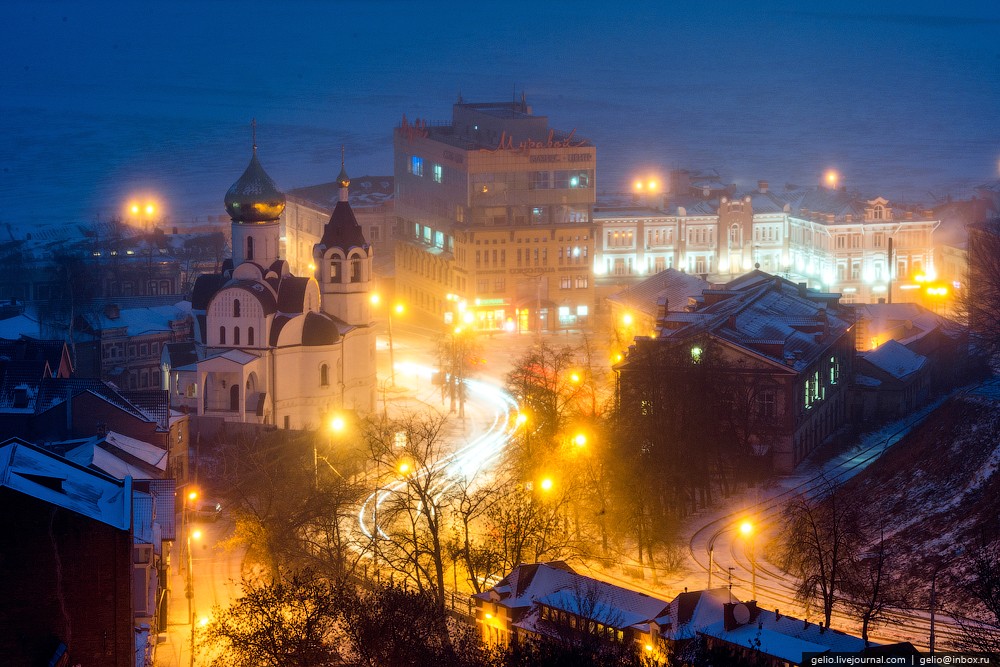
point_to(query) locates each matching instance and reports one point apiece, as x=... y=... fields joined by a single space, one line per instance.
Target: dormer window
x=878 y=213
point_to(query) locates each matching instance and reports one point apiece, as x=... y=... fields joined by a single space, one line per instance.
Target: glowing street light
x=831 y=178
x=627 y=319
x=580 y=440
x=546 y=484
x=747 y=531
x=399 y=309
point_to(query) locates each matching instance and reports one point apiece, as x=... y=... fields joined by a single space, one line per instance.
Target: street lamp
x=336 y=426
x=747 y=531
x=399 y=309
x=189 y=590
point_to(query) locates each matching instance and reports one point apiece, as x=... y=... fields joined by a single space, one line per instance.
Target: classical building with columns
x=271 y=347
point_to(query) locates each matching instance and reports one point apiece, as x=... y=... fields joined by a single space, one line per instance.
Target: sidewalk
x=175 y=651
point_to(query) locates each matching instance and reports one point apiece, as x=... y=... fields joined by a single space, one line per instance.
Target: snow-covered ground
x=104 y=100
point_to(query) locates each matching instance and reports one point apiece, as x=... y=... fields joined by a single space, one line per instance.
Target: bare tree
x=821 y=536
x=982 y=633
x=870 y=586
x=417 y=498
x=290 y=621
x=286 y=515
x=980 y=302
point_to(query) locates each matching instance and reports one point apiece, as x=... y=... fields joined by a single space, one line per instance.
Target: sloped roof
x=181 y=354
x=766 y=314
x=785 y=637
x=366 y=191
x=556 y=585
x=895 y=359
x=292 y=294
x=205 y=288
x=343 y=230
x=32 y=471
x=673 y=285
x=138 y=321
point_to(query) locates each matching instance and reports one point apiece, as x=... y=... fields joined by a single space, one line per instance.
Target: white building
x=271 y=347
x=827 y=237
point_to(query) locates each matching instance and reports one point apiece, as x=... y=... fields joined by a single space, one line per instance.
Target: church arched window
x=236 y=308
x=222 y=335
x=249 y=335
x=324 y=375
x=236 y=335
x=355 y=270
x=249 y=247
x=335 y=271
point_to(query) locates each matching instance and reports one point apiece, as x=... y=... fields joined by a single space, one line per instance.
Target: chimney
x=661 y=308
x=762 y=187
x=777 y=614
x=821 y=628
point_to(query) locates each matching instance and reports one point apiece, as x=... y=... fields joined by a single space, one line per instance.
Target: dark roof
x=258 y=291
x=277 y=324
x=291 y=294
x=673 y=285
x=366 y=191
x=319 y=329
x=32 y=349
x=181 y=354
x=254 y=197
x=343 y=230
x=154 y=403
x=205 y=288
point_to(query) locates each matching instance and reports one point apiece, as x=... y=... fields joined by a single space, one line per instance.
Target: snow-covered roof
x=556 y=585
x=138 y=321
x=117 y=455
x=50 y=478
x=784 y=637
x=673 y=285
x=895 y=359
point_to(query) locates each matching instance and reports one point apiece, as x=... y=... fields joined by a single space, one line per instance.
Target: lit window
x=438 y=173
x=696 y=353
x=417 y=166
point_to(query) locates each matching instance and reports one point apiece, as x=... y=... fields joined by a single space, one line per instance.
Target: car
x=206 y=510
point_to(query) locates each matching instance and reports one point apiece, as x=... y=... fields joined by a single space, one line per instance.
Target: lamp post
x=189 y=591
x=747 y=530
x=336 y=425
x=399 y=309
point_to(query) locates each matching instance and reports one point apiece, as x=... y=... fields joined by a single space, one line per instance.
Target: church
x=271 y=347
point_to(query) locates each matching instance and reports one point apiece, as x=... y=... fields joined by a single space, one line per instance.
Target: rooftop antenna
x=730 y=585
x=253 y=133
x=460 y=95
x=341 y=156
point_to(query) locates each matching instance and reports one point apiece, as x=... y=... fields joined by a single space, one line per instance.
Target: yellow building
x=494 y=212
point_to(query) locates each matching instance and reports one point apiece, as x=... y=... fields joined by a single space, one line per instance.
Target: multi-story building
x=866 y=249
x=786 y=350
x=495 y=223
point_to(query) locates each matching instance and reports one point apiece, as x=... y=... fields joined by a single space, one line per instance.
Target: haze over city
x=104 y=100
x=499 y=335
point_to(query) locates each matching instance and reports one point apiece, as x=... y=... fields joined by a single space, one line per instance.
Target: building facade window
x=438 y=173
x=236 y=335
x=417 y=165
x=249 y=335
x=222 y=335
x=324 y=376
